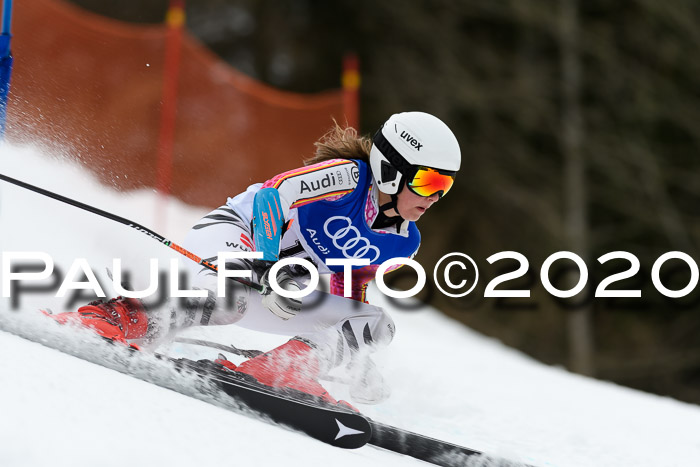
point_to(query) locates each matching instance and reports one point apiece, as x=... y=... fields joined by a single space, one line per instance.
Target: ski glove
x=283 y=307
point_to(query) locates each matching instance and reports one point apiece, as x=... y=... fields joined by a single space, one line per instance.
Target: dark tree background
x=579 y=123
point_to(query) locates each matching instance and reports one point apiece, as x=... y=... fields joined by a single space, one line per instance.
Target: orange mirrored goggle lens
x=429 y=181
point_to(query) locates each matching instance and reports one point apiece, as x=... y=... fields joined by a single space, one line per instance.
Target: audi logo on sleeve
x=355 y=172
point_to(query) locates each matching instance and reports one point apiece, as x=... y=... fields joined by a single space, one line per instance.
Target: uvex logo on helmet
x=411 y=140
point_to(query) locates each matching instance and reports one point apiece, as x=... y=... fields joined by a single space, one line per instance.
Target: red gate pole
x=351 y=90
x=175 y=20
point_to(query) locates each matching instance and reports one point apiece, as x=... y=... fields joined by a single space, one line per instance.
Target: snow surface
x=448 y=381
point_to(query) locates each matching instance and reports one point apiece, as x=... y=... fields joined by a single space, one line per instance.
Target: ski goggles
x=427 y=181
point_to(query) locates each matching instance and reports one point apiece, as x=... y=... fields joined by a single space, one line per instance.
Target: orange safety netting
x=95 y=84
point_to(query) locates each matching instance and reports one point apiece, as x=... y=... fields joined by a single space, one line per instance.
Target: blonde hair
x=341 y=143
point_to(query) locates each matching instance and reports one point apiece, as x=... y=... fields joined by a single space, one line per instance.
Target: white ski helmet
x=409 y=142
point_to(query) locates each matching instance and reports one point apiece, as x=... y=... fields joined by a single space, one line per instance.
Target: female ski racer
x=357 y=198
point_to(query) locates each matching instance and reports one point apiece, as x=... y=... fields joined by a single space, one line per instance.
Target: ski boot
x=116 y=320
x=292 y=365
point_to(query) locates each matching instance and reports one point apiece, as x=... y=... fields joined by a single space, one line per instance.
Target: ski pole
x=128 y=223
x=247 y=353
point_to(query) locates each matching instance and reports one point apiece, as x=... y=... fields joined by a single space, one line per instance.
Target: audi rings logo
x=350 y=237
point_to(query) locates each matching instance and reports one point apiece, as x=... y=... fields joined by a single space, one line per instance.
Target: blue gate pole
x=5 y=62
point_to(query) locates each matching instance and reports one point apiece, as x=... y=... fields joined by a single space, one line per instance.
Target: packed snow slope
x=448 y=381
